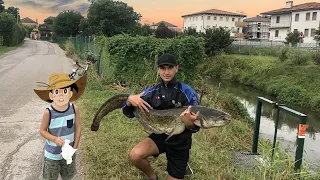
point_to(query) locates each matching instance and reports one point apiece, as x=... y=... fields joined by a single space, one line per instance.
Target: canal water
x=287 y=127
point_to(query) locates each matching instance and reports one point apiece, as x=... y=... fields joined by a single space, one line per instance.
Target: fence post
x=257 y=127
x=300 y=142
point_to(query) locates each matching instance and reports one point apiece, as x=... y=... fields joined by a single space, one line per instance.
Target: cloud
x=31 y=4
x=56 y=6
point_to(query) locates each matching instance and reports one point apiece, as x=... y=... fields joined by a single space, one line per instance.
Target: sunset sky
x=151 y=10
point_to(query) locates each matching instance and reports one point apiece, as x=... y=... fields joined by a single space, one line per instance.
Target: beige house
x=168 y=25
x=215 y=18
x=29 y=22
x=302 y=17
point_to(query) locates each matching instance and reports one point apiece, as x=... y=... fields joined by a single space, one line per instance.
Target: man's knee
x=136 y=155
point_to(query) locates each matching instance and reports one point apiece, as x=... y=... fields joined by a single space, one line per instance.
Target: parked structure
x=258 y=28
x=168 y=25
x=215 y=18
x=303 y=17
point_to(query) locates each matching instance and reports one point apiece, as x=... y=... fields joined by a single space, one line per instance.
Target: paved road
x=21 y=146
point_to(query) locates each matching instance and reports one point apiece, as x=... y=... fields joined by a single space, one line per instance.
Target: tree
x=191 y=31
x=67 y=23
x=112 y=17
x=49 y=20
x=163 y=31
x=293 y=38
x=2 y=8
x=317 y=35
x=14 y=11
x=216 y=40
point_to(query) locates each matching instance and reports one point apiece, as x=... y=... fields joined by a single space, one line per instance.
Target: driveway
x=21 y=151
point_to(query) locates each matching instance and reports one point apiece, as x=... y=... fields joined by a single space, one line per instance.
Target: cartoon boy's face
x=61 y=96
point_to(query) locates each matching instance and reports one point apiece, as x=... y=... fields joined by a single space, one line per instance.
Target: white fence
x=273 y=44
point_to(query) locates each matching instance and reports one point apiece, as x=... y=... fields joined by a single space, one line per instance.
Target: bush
x=216 y=40
x=299 y=57
x=133 y=59
x=1 y=41
x=12 y=33
x=283 y=53
x=316 y=57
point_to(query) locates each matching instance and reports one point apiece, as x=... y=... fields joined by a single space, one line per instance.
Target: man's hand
x=59 y=141
x=188 y=117
x=136 y=100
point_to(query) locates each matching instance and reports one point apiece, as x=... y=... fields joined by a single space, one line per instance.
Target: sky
x=152 y=11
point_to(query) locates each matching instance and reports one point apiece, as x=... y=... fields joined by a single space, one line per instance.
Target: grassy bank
x=5 y=49
x=106 y=152
x=289 y=82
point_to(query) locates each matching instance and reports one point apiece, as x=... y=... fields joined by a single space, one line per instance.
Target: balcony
x=280 y=24
x=240 y=24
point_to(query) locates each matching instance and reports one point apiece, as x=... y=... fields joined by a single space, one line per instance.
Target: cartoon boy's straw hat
x=58 y=81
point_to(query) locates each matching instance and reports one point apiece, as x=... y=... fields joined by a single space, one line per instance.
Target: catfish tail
x=113 y=103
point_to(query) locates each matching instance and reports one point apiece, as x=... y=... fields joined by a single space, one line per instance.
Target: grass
x=106 y=152
x=288 y=81
x=5 y=49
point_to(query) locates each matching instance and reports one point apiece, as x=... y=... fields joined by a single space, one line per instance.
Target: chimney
x=289 y=4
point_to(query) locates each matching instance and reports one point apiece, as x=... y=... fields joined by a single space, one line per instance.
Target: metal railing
x=301 y=128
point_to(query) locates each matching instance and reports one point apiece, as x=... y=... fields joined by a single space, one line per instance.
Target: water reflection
x=287 y=126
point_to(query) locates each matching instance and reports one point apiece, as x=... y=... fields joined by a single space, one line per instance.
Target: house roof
x=299 y=7
x=27 y=20
x=257 y=19
x=215 y=11
x=165 y=23
x=45 y=27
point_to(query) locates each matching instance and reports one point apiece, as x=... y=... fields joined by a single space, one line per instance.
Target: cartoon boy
x=61 y=121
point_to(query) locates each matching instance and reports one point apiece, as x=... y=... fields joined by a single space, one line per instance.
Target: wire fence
x=273 y=44
x=82 y=45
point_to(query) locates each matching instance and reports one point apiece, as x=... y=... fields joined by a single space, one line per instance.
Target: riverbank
x=105 y=153
x=286 y=81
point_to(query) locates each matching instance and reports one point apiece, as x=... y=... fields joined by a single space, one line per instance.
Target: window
x=297 y=17
x=227 y=18
x=313 y=32
x=239 y=19
x=232 y=19
x=201 y=17
x=278 y=20
x=221 y=18
x=314 y=16
x=209 y=17
x=238 y=30
x=276 y=33
x=196 y=18
x=306 y=32
x=308 y=17
x=295 y=30
x=215 y=18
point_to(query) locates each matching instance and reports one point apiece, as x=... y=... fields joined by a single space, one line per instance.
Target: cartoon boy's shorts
x=52 y=169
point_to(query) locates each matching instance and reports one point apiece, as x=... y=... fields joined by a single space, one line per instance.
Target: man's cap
x=167 y=59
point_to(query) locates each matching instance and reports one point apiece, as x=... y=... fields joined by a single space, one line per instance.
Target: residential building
x=168 y=25
x=29 y=22
x=304 y=18
x=215 y=18
x=45 y=29
x=258 y=27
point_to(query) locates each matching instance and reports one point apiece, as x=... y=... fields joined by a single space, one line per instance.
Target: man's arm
x=134 y=101
x=77 y=129
x=186 y=116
